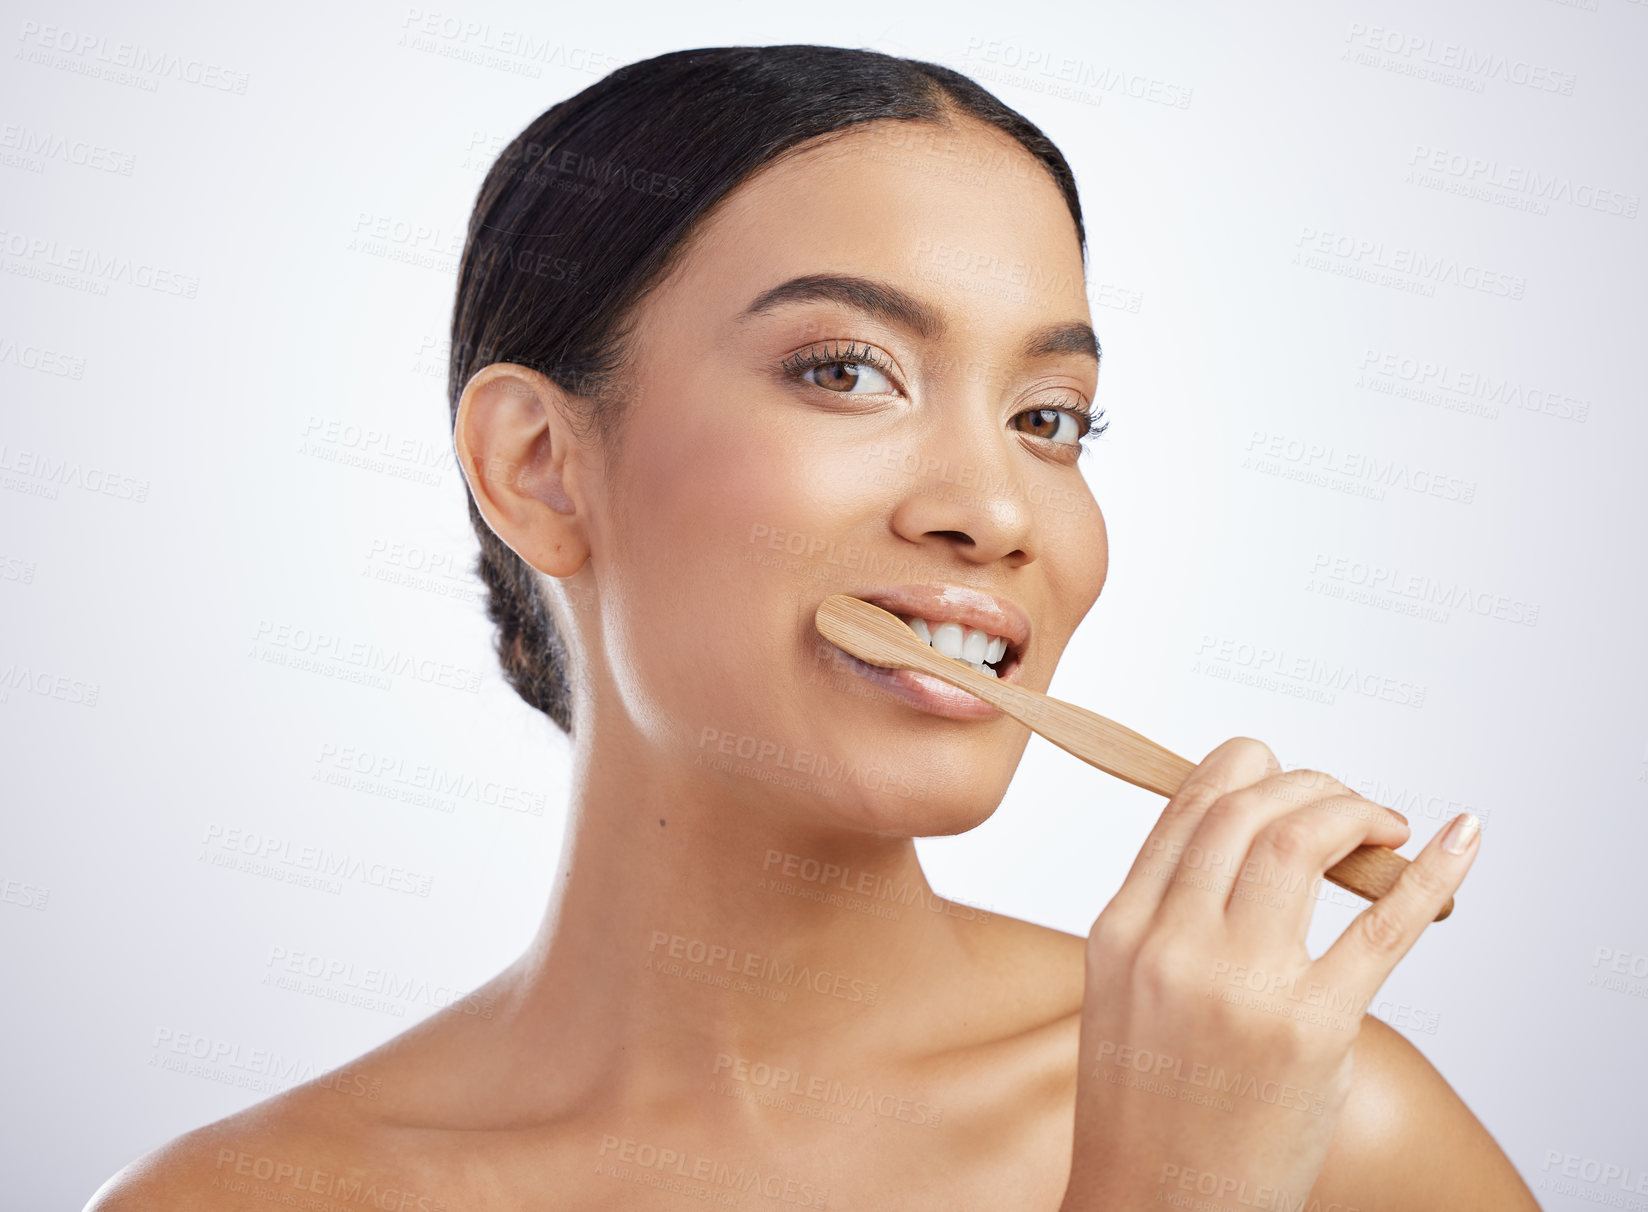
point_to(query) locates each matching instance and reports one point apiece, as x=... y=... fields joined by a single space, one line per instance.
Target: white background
x=1217 y=149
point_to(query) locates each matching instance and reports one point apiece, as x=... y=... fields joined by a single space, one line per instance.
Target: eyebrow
x=894 y=306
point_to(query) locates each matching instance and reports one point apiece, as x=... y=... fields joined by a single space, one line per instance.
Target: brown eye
x=842 y=377
x=1050 y=423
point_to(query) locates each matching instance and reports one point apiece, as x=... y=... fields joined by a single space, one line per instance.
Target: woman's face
x=833 y=440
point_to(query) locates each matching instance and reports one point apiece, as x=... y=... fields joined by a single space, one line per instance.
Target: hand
x=1215 y=1054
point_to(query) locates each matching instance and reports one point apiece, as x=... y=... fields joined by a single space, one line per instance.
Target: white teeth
x=947 y=638
x=977 y=647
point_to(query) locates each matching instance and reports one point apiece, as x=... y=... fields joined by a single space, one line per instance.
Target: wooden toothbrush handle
x=1368 y=871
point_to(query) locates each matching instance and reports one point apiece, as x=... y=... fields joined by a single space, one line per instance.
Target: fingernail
x=1460 y=833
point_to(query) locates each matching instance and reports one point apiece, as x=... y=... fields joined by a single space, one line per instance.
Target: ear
x=519 y=456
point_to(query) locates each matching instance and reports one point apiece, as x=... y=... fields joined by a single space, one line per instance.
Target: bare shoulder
x=1406 y=1139
x=1051 y=962
x=236 y=1162
x=339 y=1139
x=1024 y=1013
x=393 y=1128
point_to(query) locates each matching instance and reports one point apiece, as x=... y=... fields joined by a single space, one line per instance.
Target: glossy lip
x=960 y=604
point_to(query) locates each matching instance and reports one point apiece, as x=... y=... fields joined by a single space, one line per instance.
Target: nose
x=965 y=493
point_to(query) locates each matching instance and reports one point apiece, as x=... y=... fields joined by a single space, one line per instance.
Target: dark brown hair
x=590 y=207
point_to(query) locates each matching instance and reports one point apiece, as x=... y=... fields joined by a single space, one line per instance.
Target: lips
x=961 y=604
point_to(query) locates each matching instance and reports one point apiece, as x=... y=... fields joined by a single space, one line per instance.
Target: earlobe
x=515 y=450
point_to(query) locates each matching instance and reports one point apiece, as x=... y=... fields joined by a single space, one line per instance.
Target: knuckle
x=1162 y=961
x=1321 y=784
x=1297 y=1039
x=1110 y=935
x=1380 y=927
x=1425 y=881
x=1235 y=807
x=1290 y=839
x=1256 y=751
x=1196 y=797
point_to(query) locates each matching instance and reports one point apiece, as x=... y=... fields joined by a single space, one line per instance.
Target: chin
x=925 y=809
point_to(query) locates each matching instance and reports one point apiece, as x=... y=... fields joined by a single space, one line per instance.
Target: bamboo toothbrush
x=881 y=638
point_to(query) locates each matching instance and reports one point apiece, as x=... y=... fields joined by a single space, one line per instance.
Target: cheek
x=1078 y=536
x=709 y=498
x=715 y=558
x=1099 y=540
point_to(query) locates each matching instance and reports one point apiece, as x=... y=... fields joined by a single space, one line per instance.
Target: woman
x=737 y=329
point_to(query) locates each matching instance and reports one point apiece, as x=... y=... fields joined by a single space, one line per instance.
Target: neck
x=700 y=918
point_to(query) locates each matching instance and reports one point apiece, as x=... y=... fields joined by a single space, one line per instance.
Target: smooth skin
x=602 y=1073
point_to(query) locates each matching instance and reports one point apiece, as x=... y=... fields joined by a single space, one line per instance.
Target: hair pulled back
x=590 y=207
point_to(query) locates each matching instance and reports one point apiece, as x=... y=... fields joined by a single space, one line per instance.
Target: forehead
x=961 y=215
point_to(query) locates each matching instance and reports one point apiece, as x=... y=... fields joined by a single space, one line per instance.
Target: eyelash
x=798 y=364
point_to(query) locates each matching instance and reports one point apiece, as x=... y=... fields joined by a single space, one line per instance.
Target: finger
x=1237 y=762
x=1275 y=893
x=1375 y=942
x=1221 y=851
